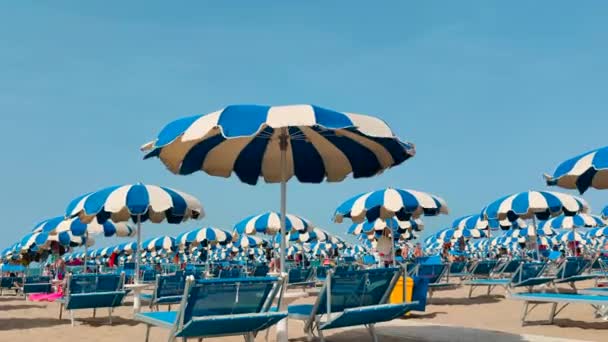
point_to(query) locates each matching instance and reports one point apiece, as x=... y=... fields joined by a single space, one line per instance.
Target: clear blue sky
x=493 y=93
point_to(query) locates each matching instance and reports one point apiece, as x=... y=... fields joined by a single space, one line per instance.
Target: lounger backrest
x=572 y=267
x=431 y=272
x=261 y=271
x=299 y=275
x=90 y=283
x=170 y=285
x=8 y=282
x=511 y=266
x=527 y=271
x=321 y=272
x=37 y=279
x=357 y=288
x=484 y=267
x=457 y=267
x=213 y=297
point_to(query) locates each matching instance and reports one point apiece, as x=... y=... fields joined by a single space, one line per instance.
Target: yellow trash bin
x=397 y=294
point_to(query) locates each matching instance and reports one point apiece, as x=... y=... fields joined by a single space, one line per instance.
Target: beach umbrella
x=586 y=170
x=270 y=223
x=573 y=222
x=598 y=232
x=138 y=203
x=535 y=205
x=572 y=236
x=44 y=240
x=164 y=243
x=379 y=226
x=453 y=234
x=276 y=143
x=247 y=241
x=322 y=248
x=203 y=236
x=78 y=228
x=385 y=204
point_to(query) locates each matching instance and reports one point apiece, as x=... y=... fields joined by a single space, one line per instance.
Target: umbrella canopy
x=534 y=204
x=203 y=236
x=270 y=223
x=572 y=236
x=455 y=233
x=138 y=202
x=322 y=144
x=598 y=232
x=586 y=170
x=575 y=221
x=44 y=240
x=247 y=241
x=79 y=228
x=470 y=222
x=387 y=203
x=165 y=243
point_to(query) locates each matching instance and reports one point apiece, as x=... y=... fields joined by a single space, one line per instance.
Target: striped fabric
x=245 y=139
x=589 y=169
x=165 y=243
x=470 y=222
x=270 y=223
x=124 y=202
x=449 y=234
x=203 y=236
x=542 y=204
x=78 y=228
x=247 y=241
x=387 y=203
x=43 y=241
x=575 y=221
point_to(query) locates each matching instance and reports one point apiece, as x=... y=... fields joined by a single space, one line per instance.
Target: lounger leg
x=110 y=315
x=372 y=331
x=552 y=313
x=169 y=309
x=94 y=312
x=471 y=291
x=249 y=337
x=524 y=314
x=60 y=311
x=321 y=337
x=489 y=290
x=148 y=332
x=72 y=317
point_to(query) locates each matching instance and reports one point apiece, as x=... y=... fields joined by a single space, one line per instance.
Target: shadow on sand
x=390 y=333
x=467 y=301
x=33 y=323
x=19 y=307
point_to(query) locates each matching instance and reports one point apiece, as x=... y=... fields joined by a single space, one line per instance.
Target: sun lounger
x=571 y=271
x=300 y=277
x=8 y=283
x=352 y=299
x=33 y=284
x=436 y=274
x=482 y=269
x=92 y=291
x=458 y=269
x=527 y=275
x=220 y=307
x=558 y=302
x=168 y=290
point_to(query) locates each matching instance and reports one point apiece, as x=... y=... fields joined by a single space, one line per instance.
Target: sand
x=451 y=317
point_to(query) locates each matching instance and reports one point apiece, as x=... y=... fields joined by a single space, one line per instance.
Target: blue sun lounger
x=559 y=301
x=92 y=291
x=436 y=274
x=571 y=271
x=220 y=307
x=300 y=277
x=482 y=269
x=168 y=290
x=527 y=275
x=458 y=269
x=36 y=284
x=352 y=299
x=8 y=283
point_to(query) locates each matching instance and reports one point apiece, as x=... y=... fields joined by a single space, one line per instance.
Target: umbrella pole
x=390 y=227
x=137 y=251
x=86 y=237
x=282 y=325
x=536 y=238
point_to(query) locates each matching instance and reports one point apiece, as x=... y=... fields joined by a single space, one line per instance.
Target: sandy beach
x=451 y=317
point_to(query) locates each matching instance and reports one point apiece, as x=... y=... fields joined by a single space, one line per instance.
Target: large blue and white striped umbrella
x=575 y=221
x=387 y=203
x=165 y=243
x=126 y=248
x=138 y=202
x=322 y=144
x=78 y=228
x=270 y=223
x=589 y=169
x=204 y=236
x=539 y=204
